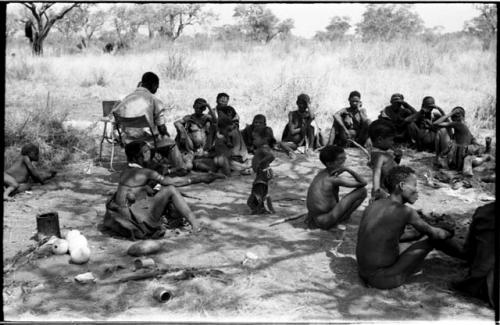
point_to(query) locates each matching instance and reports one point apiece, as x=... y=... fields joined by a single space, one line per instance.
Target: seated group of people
x=147 y=197
x=388 y=221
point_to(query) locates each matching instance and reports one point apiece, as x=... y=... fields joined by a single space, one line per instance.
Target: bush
x=97 y=77
x=176 y=67
x=44 y=126
x=20 y=69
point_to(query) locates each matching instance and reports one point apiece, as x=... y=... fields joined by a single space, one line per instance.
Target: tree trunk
x=37 y=44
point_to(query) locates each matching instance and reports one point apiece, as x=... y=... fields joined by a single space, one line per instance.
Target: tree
x=92 y=23
x=174 y=18
x=336 y=29
x=484 y=26
x=126 y=23
x=72 y=23
x=12 y=25
x=42 y=18
x=259 y=23
x=389 y=21
x=228 y=32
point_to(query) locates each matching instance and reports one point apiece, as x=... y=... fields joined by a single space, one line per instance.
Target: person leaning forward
x=144 y=102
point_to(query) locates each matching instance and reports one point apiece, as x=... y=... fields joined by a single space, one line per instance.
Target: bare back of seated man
x=325 y=208
x=381 y=228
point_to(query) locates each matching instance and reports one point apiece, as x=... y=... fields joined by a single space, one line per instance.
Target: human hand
x=441 y=234
x=197 y=226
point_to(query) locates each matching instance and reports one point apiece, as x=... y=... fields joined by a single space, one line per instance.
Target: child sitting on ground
x=325 y=209
x=259 y=133
x=451 y=152
x=381 y=228
x=383 y=159
x=259 y=197
x=16 y=178
x=132 y=212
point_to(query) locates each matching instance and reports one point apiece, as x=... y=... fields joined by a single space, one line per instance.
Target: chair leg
x=112 y=157
x=102 y=141
x=100 y=152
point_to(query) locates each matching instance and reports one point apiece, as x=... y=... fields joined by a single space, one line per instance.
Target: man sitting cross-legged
x=134 y=211
x=325 y=209
x=380 y=231
x=350 y=123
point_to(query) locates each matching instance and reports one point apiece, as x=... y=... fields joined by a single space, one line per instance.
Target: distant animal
x=108 y=48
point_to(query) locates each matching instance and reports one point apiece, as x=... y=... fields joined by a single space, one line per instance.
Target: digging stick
x=361 y=148
x=294 y=217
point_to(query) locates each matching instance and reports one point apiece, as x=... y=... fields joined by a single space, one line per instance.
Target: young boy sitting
x=451 y=152
x=383 y=159
x=132 y=213
x=325 y=209
x=380 y=230
x=258 y=133
x=16 y=178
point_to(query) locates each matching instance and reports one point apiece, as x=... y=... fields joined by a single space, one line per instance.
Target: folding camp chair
x=139 y=122
x=108 y=135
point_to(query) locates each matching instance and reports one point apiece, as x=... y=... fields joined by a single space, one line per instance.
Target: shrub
x=97 y=77
x=43 y=126
x=20 y=69
x=176 y=67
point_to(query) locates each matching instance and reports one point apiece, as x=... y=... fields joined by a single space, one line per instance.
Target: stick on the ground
x=361 y=148
x=294 y=217
x=189 y=196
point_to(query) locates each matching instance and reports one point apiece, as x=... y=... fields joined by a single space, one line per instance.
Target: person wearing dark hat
x=350 y=123
x=144 y=102
x=299 y=131
x=399 y=114
x=421 y=131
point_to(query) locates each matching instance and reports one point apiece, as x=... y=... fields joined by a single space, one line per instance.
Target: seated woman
x=299 y=131
x=238 y=148
x=133 y=211
x=195 y=132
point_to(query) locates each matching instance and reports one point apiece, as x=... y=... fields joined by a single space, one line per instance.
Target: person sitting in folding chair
x=143 y=102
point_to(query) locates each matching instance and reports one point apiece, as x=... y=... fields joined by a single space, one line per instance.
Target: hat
x=304 y=98
x=397 y=97
x=428 y=102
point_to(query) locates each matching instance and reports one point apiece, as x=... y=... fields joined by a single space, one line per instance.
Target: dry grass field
x=259 y=78
x=300 y=274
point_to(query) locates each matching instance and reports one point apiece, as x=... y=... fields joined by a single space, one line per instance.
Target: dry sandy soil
x=300 y=274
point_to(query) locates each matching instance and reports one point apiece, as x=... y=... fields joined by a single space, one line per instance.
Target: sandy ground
x=300 y=274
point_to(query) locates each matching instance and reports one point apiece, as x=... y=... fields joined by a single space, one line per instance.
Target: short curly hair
x=381 y=128
x=29 y=149
x=397 y=175
x=330 y=153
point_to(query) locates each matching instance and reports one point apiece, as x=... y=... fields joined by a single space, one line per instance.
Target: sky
x=310 y=18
